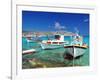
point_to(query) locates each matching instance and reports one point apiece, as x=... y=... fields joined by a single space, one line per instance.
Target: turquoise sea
x=51 y=58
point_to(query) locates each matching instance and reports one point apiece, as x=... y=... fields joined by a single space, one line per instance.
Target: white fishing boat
x=58 y=42
x=29 y=39
x=77 y=47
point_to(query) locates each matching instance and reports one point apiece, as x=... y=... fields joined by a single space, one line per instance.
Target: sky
x=54 y=21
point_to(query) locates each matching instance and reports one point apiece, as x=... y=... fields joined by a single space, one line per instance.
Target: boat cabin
x=59 y=37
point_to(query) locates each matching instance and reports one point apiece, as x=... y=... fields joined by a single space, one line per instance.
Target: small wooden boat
x=29 y=39
x=75 y=51
x=76 y=47
x=29 y=51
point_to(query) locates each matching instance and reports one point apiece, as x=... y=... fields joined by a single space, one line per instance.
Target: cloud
x=86 y=20
x=59 y=26
x=76 y=30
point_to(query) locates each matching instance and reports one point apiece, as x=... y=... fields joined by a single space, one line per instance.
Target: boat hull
x=29 y=40
x=50 y=46
x=75 y=51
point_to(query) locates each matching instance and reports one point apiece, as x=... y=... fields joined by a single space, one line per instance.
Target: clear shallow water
x=51 y=58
